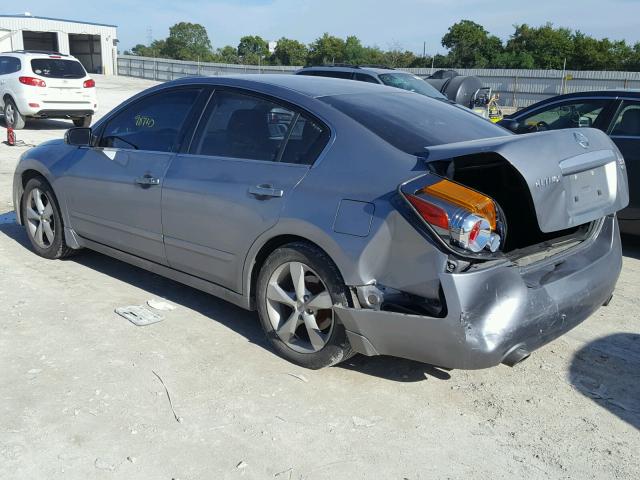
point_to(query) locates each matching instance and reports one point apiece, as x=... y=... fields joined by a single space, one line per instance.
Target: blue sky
x=402 y=23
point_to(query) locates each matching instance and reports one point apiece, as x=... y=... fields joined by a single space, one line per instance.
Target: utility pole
x=424 y=50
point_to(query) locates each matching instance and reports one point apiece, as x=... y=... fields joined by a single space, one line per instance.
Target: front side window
x=574 y=114
x=248 y=127
x=57 y=68
x=409 y=82
x=627 y=121
x=152 y=123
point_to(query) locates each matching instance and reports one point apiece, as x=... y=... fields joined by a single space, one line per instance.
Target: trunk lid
x=575 y=176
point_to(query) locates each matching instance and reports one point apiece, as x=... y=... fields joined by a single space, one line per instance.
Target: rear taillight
x=462 y=217
x=89 y=83
x=34 y=82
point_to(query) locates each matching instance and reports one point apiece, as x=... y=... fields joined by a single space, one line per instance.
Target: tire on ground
x=337 y=348
x=58 y=248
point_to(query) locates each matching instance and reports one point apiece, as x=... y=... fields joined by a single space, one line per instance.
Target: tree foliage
x=188 y=41
x=290 y=52
x=468 y=44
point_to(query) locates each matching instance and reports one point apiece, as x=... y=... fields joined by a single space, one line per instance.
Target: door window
x=627 y=121
x=152 y=123
x=579 y=113
x=9 y=65
x=363 y=77
x=243 y=126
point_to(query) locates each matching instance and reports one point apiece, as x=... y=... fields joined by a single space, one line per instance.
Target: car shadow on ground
x=607 y=371
x=631 y=246
x=235 y=318
x=42 y=124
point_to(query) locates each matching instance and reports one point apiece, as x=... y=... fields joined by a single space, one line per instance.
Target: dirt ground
x=79 y=395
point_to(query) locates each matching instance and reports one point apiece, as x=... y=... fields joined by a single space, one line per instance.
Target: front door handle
x=265 y=190
x=147 y=180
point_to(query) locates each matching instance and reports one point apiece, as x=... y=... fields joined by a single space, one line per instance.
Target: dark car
x=375 y=74
x=615 y=112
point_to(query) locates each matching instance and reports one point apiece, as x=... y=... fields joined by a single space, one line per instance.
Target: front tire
x=12 y=116
x=43 y=221
x=297 y=288
x=83 y=121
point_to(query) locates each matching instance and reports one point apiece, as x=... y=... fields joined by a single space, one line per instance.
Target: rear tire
x=83 y=121
x=43 y=221
x=303 y=328
x=12 y=116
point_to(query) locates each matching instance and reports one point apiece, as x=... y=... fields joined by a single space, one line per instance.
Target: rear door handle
x=147 y=180
x=265 y=190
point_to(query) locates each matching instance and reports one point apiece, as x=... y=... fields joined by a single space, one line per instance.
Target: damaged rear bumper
x=499 y=314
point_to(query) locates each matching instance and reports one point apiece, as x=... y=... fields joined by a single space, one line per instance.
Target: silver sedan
x=353 y=217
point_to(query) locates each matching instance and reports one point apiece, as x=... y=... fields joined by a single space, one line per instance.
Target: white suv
x=35 y=84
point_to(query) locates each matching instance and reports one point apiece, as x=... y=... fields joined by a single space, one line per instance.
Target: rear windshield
x=412 y=122
x=57 y=68
x=409 y=82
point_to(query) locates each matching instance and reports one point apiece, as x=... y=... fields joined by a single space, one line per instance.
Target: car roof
x=38 y=54
x=310 y=86
x=348 y=68
x=610 y=93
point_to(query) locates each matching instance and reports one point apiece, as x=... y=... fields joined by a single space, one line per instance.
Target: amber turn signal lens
x=472 y=201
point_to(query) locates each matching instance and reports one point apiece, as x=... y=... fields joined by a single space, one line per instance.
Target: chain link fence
x=517 y=88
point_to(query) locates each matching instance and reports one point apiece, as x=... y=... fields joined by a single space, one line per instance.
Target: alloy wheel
x=40 y=219
x=10 y=114
x=299 y=306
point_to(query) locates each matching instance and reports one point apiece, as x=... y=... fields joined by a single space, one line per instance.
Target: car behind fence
x=517 y=87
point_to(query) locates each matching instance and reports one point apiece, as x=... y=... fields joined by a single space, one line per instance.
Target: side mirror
x=80 y=137
x=510 y=124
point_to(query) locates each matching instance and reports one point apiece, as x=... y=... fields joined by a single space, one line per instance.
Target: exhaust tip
x=515 y=356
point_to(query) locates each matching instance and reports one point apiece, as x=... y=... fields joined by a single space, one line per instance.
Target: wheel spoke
x=315 y=336
x=37 y=200
x=39 y=234
x=48 y=211
x=321 y=301
x=33 y=226
x=32 y=214
x=289 y=326
x=297 y=276
x=277 y=294
x=48 y=232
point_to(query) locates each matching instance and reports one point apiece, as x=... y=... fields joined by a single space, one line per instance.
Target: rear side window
x=9 y=65
x=152 y=123
x=57 y=68
x=412 y=122
x=249 y=127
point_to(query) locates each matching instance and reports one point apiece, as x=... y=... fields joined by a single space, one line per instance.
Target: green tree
x=227 y=54
x=326 y=50
x=252 y=49
x=188 y=41
x=290 y=52
x=548 y=46
x=354 y=52
x=470 y=45
x=156 y=49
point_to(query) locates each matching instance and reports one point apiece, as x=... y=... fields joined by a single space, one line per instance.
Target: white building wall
x=63 y=28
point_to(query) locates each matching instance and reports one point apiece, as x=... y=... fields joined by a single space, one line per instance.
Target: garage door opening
x=88 y=50
x=45 y=41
